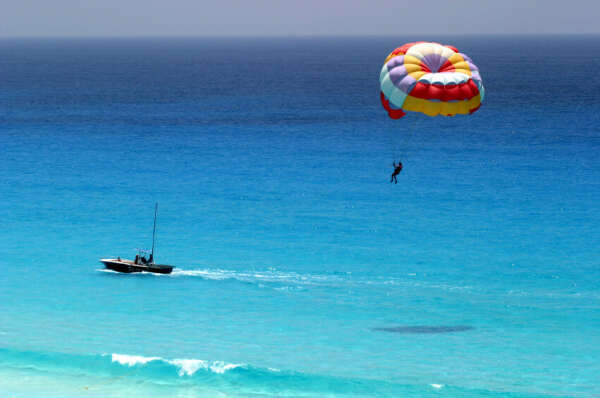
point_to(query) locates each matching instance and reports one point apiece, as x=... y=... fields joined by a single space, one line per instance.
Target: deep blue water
x=270 y=160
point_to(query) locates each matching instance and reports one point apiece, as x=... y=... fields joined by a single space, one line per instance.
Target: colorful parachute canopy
x=430 y=78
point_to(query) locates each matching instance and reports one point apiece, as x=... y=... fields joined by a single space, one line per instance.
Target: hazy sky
x=284 y=17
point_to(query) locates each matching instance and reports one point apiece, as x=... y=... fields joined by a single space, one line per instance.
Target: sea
x=301 y=271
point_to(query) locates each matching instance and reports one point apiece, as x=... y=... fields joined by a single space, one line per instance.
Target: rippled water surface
x=300 y=270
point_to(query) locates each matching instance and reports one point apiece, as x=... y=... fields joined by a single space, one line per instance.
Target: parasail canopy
x=430 y=78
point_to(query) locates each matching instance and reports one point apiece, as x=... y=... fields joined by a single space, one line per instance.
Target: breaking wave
x=201 y=378
x=185 y=367
x=237 y=379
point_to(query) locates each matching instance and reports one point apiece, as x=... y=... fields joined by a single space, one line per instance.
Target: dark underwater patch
x=419 y=329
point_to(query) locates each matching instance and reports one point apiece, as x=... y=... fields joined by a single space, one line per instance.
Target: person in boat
x=137 y=259
x=151 y=259
x=397 y=170
x=144 y=261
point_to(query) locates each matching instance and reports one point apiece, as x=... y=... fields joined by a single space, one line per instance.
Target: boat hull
x=128 y=267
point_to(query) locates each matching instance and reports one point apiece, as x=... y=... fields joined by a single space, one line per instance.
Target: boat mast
x=154 y=231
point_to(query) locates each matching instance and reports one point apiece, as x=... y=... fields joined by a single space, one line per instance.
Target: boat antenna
x=154 y=230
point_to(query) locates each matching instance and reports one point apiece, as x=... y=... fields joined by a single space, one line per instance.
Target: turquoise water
x=270 y=160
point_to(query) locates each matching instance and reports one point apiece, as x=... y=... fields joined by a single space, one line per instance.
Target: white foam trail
x=132 y=360
x=260 y=276
x=205 y=273
x=297 y=281
x=438 y=386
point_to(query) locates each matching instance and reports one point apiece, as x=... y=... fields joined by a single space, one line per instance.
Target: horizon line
x=292 y=36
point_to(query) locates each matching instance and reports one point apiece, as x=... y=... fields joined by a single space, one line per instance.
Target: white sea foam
x=186 y=367
x=108 y=271
x=215 y=274
x=221 y=274
x=269 y=276
x=438 y=386
x=290 y=281
x=132 y=360
x=222 y=367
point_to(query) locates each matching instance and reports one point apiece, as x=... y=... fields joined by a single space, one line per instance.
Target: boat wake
x=293 y=281
x=268 y=276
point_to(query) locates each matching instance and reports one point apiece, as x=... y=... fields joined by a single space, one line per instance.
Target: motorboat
x=137 y=265
x=140 y=263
